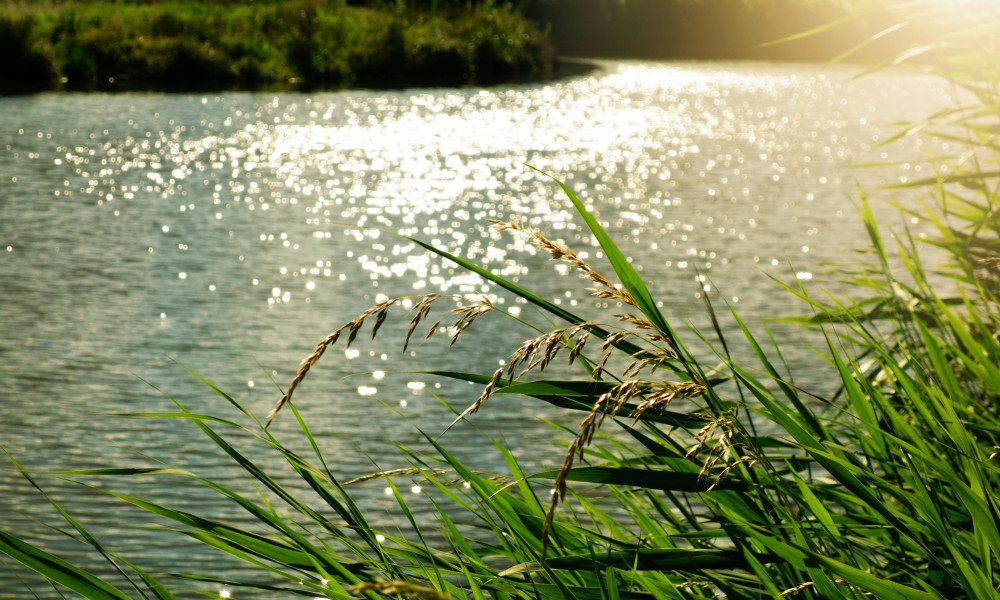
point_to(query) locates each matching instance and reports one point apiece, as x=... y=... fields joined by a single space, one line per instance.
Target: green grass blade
x=655 y=559
x=627 y=275
x=58 y=570
x=646 y=478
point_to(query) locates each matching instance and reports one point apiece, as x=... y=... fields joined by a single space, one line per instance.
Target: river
x=143 y=233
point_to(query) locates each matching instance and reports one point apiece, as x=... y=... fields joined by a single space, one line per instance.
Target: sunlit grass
x=887 y=491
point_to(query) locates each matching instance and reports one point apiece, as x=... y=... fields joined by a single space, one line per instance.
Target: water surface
x=230 y=232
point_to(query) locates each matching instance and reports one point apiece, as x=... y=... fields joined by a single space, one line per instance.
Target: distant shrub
x=26 y=59
x=96 y=44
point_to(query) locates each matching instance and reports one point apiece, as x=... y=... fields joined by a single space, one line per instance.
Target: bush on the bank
x=26 y=60
x=94 y=44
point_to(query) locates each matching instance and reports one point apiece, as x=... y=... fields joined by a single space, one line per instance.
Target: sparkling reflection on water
x=231 y=232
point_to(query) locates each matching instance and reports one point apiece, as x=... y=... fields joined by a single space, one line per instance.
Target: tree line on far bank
x=177 y=43
x=94 y=44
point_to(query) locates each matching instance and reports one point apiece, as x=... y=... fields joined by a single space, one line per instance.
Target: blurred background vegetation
x=96 y=44
x=99 y=44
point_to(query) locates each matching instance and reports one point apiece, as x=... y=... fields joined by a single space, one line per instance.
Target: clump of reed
x=735 y=481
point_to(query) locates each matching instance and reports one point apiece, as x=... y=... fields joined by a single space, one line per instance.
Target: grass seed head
x=468 y=314
x=379 y=310
x=497 y=375
x=419 y=310
x=395 y=473
x=304 y=367
x=398 y=588
x=606 y=289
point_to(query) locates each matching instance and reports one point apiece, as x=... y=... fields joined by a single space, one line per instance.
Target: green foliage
x=97 y=44
x=890 y=492
x=27 y=60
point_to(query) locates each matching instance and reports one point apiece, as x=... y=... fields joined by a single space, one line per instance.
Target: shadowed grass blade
x=646 y=478
x=58 y=570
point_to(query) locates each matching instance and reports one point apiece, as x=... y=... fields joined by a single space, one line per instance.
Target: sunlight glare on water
x=231 y=232
x=638 y=143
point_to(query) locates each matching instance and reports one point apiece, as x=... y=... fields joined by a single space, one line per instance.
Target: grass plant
x=888 y=491
x=723 y=478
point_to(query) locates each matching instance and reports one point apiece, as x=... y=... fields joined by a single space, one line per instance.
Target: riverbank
x=285 y=43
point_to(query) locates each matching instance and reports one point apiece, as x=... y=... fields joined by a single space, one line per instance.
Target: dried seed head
x=634 y=320
x=797 y=588
x=654 y=394
x=540 y=351
x=725 y=424
x=608 y=289
x=379 y=319
x=614 y=338
x=419 y=310
x=467 y=314
x=304 y=367
x=398 y=588
x=599 y=369
x=487 y=391
x=613 y=292
x=581 y=341
x=559 y=495
x=658 y=395
x=380 y=311
x=749 y=460
x=396 y=472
